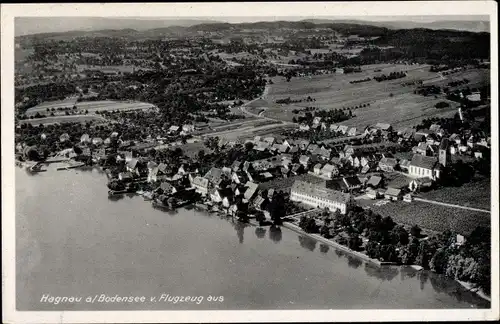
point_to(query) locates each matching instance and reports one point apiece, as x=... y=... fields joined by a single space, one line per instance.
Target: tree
x=439 y=261
x=116 y=185
x=201 y=155
x=408 y=253
x=399 y=235
x=388 y=253
x=354 y=242
x=373 y=250
x=325 y=231
x=259 y=217
x=249 y=146
x=415 y=231
x=303 y=222
x=32 y=154
x=425 y=253
x=311 y=226
x=178 y=152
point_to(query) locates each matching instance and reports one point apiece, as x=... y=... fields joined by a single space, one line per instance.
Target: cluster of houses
x=458 y=144
x=346 y=168
x=341 y=130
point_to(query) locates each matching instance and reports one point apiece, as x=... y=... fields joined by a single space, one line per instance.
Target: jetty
x=71 y=166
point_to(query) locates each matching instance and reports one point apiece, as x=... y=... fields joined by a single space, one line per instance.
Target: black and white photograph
x=290 y=159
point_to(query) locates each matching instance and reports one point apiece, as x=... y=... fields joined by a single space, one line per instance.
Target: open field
x=42 y=108
x=63 y=119
x=475 y=194
x=334 y=91
x=91 y=106
x=109 y=69
x=477 y=78
x=107 y=105
x=433 y=217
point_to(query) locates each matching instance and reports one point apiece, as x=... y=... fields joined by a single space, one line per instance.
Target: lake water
x=73 y=241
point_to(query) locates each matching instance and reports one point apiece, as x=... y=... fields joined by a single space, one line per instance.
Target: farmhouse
x=201 y=185
x=329 y=171
x=387 y=164
x=251 y=190
x=351 y=131
x=125 y=176
x=374 y=182
x=317 y=168
x=304 y=127
x=173 y=129
x=424 y=148
x=214 y=176
x=424 y=166
x=304 y=160
x=316 y=196
x=383 y=127
x=343 y=129
x=85 y=138
x=372 y=194
x=323 y=152
x=393 y=194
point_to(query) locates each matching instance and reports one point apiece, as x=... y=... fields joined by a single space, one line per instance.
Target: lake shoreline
x=337 y=246
x=470 y=287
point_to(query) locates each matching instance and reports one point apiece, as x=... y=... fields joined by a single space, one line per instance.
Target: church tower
x=444 y=149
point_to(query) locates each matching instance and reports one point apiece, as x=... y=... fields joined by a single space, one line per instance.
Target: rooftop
x=421 y=161
x=319 y=192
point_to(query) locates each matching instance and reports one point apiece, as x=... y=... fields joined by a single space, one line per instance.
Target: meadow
x=63 y=119
x=90 y=106
x=389 y=101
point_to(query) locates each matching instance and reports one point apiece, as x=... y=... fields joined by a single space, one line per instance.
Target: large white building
x=424 y=167
x=317 y=196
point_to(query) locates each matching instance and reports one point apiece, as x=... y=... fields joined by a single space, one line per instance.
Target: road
x=451 y=205
x=264 y=94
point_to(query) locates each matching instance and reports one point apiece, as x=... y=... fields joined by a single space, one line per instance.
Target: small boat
x=37 y=168
x=116 y=192
x=158 y=204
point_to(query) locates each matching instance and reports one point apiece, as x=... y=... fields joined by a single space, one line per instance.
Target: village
x=278 y=181
x=349 y=140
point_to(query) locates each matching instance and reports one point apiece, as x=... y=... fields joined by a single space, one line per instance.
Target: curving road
x=264 y=94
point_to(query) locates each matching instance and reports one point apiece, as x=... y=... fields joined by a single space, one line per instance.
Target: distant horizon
x=36 y=25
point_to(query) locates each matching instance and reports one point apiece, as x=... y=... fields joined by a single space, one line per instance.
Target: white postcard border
x=214 y=10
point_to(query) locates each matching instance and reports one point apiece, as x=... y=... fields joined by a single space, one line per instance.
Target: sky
x=365 y=18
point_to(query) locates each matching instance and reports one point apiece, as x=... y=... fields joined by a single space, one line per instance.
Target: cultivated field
x=42 y=108
x=63 y=119
x=91 y=106
x=475 y=194
x=109 y=105
x=433 y=217
x=109 y=68
x=477 y=78
x=334 y=91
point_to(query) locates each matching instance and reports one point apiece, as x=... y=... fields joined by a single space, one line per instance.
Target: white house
x=329 y=171
x=316 y=196
x=200 y=184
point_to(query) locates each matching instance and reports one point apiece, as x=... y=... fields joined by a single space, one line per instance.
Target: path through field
x=452 y=205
